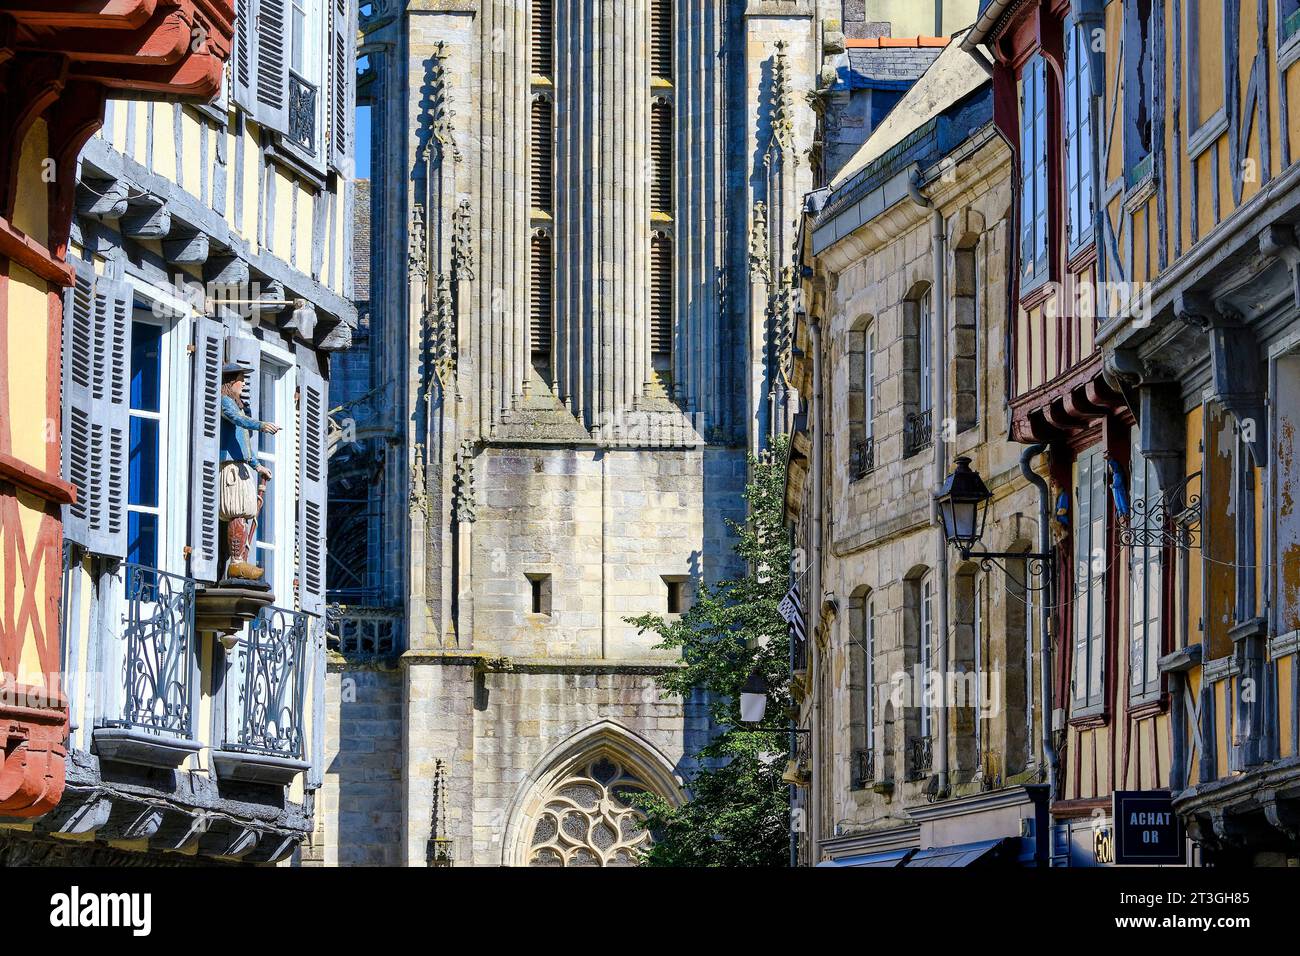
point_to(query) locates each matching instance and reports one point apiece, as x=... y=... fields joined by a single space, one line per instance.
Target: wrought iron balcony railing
x=159 y=664
x=363 y=631
x=798 y=655
x=918 y=432
x=864 y=768
x=920 y=756
x=302 y=113
x=862 y=460
x=272 y=685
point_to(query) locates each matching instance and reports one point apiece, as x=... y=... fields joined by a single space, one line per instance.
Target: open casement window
x=312 y=408
x=1220 y=449
x=1079 y=188
x=96 y=415
x=276 y=522
x=149 y=439
x=1288 y=26
x=1139 y=90
x=1091 y=553
x=1146 y=580
x=1033 y=173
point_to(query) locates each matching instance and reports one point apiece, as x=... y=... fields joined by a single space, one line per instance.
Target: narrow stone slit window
x=678 y=596
x=540 y=585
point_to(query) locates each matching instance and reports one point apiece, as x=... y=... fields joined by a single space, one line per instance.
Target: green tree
x=739 y=813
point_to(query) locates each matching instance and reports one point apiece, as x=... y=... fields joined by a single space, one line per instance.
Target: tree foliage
x=739 y=811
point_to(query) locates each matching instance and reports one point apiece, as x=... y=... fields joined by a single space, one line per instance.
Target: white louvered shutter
x=78 y=336
x=205 y=447
x=342 y=80
x=272 y=64
x=311 y=489
x=110 y=420
x=243 y=56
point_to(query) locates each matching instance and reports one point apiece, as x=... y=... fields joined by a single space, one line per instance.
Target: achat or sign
x=1147 y=831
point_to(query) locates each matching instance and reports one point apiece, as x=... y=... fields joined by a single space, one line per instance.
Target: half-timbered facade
x=58 y=62
x=210 y=241
x=1084 y=216
x=1197 y=212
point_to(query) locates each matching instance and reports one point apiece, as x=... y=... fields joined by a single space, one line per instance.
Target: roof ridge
x=878 y=43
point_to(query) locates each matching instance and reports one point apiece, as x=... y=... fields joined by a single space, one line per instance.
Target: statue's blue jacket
x=235 y=427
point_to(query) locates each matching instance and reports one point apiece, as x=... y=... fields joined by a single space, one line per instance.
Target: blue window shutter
x=311 y=487
x=78 y=335
x=205 y=448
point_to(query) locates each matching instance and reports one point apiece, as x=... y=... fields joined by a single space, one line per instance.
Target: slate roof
x=870 y=68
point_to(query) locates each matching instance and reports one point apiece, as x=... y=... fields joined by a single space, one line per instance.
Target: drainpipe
x=814 y=604
x=939 y=384
x=938 y=416
x=1044 y=612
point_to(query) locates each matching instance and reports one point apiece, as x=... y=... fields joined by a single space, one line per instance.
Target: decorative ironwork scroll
x=1171 y=518
x=158 y=665
x=302 y=113
x=275 y=682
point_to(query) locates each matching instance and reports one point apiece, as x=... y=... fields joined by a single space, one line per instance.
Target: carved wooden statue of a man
x=243 y=480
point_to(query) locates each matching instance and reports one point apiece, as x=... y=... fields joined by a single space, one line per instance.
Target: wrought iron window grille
x=158 y=661
x=273 y=688
x=1173 y=518
x=302 y=113
x=864 y=768
x=862 y=459
x=918 y=432
x=920 y=756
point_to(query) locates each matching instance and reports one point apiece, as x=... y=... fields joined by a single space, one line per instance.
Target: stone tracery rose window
x=589 y=819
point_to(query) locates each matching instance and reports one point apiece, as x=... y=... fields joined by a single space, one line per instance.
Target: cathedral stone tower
x=583 y=214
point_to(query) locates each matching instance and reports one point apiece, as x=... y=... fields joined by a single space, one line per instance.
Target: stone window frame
x=916 y=394
x=861 y=349
x=863 y=688
x=917 y=657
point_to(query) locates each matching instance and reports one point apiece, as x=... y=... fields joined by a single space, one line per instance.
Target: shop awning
x=887 y=858
x=983 y=853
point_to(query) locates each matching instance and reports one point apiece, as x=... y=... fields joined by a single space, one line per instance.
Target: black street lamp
x=963 y=508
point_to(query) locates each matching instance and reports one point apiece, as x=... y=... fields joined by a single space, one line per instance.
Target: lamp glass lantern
x=963 y=506
x=753 y=699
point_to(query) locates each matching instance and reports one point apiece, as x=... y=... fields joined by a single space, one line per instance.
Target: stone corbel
x=147 y=217
x=1279 y=241
x=186 y=247
x=1235 y=367
x=1282 y=815
x=103 y=198
x=228 y=841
